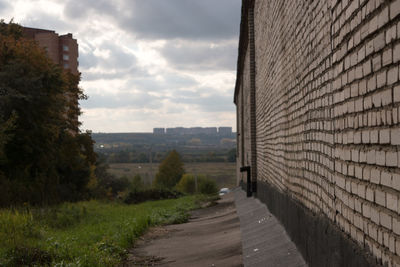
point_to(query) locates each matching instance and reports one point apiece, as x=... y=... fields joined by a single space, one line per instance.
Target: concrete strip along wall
x=326 y=131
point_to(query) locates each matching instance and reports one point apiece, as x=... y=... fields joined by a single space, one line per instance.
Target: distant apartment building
x=225 y=130
x=210 y=130
x=158 y=130
x=62 y=49
x=194 y=130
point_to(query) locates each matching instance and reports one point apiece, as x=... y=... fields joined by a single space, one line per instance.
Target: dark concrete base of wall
x=320 y=241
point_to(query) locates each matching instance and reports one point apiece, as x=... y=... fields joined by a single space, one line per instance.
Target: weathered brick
x=396 y=181
x=385 y=220
x=392 y=201
x=377 y=99
x=396 y=53
x=365 y=137
x=369 y=49
x=392 y=242
x=393 y=75
x=383 y=17
x=391 y=158
x=379 y=41
x=380 y=197
x=374 y=218
x=396 y=225
x=394 y=9
x=387 y=57
x=366 y=210
x=371 y=85
x=386 y=97
x=377 y=62
x=395 y=136
x=396 y=94
x=375 y=176
x=390 y=34
x=386 y=179
x=384 y=136
x=381 y=158
x=374 y=135
x=369 y=194
x=381 y=79
x=366 y=172
x=395 y=116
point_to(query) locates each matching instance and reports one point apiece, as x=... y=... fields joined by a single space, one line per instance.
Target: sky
x=146 y=63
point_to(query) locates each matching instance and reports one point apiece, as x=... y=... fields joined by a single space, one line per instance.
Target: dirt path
x=210 y=238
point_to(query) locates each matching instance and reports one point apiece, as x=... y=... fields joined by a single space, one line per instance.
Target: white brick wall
x=328 y=112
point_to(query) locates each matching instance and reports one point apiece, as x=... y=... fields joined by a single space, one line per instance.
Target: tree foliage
x=170 y=171
x=43 y=156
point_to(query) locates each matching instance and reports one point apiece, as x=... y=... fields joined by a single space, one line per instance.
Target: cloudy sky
x=146 y=63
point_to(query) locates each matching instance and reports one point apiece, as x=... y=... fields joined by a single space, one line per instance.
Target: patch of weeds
x=60 y=217
x=25 y=256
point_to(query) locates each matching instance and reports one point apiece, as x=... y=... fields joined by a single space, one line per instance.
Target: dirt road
x=211 y=238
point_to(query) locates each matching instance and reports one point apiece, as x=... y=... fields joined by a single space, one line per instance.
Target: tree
x=170 y=171
x=44 y=157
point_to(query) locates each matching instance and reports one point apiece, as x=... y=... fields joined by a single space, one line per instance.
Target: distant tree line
x=44 y=159
x=129 y=156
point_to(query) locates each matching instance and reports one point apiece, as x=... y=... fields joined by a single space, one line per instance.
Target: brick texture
x=328 y=112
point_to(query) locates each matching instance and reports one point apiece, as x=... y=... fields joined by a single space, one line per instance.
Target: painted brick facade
x=327 y=121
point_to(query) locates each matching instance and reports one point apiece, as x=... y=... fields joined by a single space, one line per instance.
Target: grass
x=87 y=233
x=224 y=173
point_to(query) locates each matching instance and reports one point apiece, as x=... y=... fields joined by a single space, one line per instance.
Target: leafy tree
x=44 y=157
x=170 y=171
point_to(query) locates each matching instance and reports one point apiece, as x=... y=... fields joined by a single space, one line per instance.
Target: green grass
x=88 y=233
x=224 y=173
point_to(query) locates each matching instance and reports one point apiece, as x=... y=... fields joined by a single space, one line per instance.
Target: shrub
x=207 y=186
x=187 y=184
x=137 y=183
x=151 y=194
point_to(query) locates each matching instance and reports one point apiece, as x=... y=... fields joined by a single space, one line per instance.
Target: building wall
x=63 y=50
x=328 y=111
x=68 y=53
x=49 y=40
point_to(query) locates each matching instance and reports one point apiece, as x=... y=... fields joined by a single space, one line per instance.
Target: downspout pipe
x=253 y=129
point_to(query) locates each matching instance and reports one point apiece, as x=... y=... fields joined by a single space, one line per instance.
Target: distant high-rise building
x=225 y=130
x=62 y=49
x=158 y=130
x=210 y=130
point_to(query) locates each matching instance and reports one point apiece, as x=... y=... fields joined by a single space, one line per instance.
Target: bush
x=187 y=184
x=208 y=186
x=135 y=197
x=205 y=185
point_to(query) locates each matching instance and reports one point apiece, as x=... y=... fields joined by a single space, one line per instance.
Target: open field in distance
x=224 y=173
